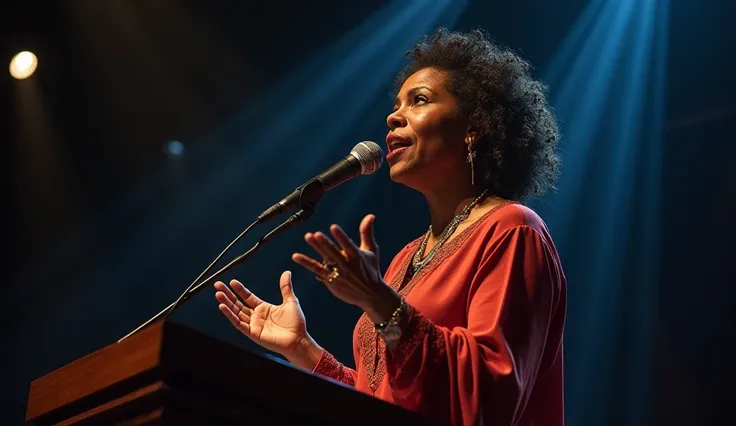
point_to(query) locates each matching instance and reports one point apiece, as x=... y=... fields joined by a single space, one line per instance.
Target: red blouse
x=482 y=337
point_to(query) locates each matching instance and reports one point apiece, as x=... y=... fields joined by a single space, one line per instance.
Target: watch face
x=392 y=332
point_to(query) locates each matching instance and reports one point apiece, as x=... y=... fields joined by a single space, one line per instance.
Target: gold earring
x=469 y=158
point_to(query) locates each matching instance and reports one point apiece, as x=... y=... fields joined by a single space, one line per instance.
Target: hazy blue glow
x=607 y=90
x=175 y=148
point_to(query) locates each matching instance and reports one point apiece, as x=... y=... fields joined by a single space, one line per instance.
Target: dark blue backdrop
x=105 y=227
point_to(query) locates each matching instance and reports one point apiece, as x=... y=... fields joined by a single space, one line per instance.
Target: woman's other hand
x=278 y=328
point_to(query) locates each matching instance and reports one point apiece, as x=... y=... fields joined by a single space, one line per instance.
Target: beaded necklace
x=418 y=261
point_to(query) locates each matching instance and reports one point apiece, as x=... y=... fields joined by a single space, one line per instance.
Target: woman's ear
x=473 y=134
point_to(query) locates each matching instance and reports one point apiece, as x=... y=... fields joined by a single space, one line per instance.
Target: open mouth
x=396 y=145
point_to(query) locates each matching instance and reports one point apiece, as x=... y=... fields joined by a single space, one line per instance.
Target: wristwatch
x=390 y=330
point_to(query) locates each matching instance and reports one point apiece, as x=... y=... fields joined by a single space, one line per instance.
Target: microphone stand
x=305 y=212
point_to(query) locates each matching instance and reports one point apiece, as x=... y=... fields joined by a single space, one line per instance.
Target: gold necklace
x=418 y=261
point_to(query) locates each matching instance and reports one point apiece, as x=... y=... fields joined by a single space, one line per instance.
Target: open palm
x=278 y=328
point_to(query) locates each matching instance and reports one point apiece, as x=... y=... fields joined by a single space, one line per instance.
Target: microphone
x=365 y=158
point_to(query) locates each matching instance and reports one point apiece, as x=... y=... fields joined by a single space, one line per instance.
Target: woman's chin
x=397 y=172
x=400 y=172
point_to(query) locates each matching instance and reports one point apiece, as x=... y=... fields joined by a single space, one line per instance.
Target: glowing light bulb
x=23 y=65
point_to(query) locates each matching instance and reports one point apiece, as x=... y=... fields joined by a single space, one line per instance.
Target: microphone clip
x=310 y=193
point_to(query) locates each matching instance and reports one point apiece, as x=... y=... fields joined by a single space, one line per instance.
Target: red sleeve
x=487 y=370
x=329 y=366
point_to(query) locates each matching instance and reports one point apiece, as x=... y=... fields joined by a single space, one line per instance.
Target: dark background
x=102 y=227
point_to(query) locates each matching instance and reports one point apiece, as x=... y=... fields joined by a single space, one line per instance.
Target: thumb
x=287 y=289
x=367 y=239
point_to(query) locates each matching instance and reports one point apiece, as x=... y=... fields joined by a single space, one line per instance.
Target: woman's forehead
x=430 y=78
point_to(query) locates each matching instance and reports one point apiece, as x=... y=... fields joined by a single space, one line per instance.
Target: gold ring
x=333 y=274
x=332 y=270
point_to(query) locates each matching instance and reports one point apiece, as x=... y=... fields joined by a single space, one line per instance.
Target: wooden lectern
x=169 y=374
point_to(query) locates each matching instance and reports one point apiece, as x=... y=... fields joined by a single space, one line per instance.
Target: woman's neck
x=445 y=203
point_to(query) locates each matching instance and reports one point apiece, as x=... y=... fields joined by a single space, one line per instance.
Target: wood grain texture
x=114 y=407
x=96 y=371
x=169 y=374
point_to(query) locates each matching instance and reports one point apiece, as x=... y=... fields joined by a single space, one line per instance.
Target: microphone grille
x=369 y=155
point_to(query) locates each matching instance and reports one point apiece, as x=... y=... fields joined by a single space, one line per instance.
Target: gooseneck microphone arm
x=302 y=215
x=365 y=158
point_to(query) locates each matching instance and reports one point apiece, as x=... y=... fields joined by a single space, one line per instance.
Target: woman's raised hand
x=351 y=272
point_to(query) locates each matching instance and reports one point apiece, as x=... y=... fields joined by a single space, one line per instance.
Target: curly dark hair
x=516 y=154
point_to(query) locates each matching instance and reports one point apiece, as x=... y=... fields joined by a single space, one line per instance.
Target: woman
x=466 y=324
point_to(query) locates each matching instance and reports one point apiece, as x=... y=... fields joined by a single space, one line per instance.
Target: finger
x=367 y=238
x=347 y=244
x=329 y=250
x=237 y=307
x=318 y=246
x=249 y=299
x=244 y=317
x=221 y=287
x=287 y=289
x=235 y=319
x=242 y=326
x=310 y=264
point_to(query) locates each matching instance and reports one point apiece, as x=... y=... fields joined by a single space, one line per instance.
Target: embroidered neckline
x=372 y=348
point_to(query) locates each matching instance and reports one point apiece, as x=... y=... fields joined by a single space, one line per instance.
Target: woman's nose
x=395 y=119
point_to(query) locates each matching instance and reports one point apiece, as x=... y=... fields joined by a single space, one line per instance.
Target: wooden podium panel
x=169 y=374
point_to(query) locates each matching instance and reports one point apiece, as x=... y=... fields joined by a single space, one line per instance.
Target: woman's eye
x=420 y=98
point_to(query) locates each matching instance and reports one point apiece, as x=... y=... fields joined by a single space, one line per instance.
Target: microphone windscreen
x=369 y=155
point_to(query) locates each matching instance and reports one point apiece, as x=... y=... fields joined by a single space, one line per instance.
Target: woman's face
x=426 y=138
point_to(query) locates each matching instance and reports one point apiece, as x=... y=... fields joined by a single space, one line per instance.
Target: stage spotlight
x=23 y=65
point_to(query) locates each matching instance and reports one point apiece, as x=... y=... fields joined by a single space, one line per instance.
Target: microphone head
x=369 y=155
